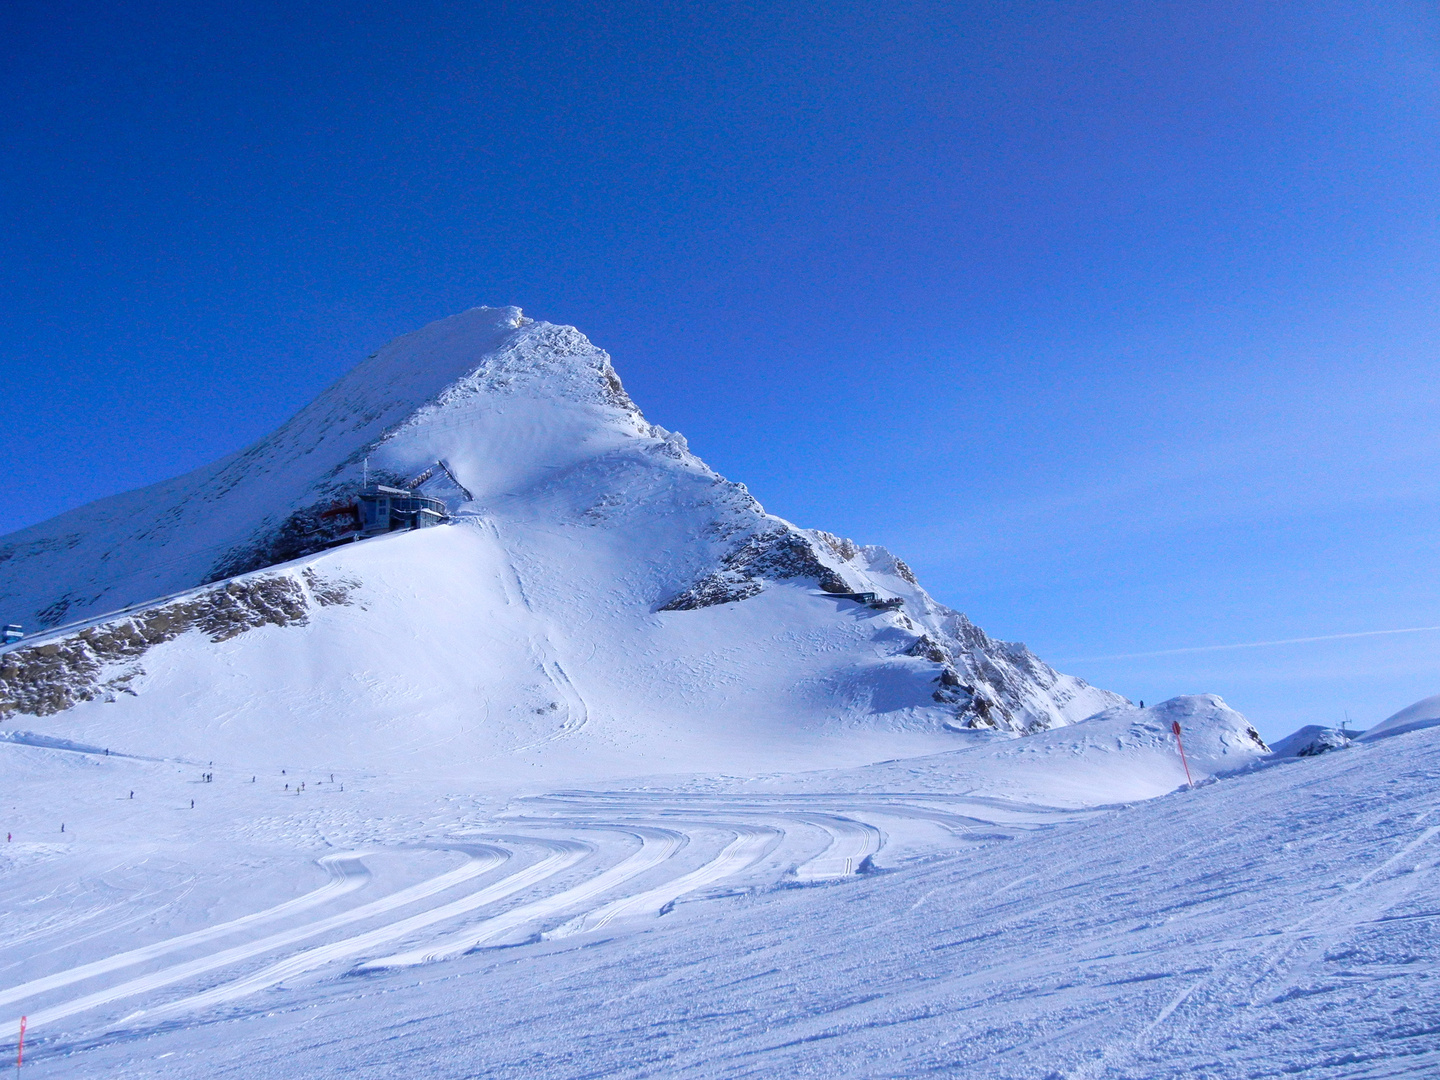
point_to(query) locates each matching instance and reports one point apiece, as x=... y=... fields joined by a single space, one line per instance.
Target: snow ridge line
x=50 y=633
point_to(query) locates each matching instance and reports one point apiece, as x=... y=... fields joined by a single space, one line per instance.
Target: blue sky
x=1117 y=320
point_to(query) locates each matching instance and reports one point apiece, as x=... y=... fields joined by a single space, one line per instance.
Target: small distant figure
x=192 y=804
x=7 y=838
x=252 y=779
x=287 y=787
x=132 y=794
x=1142 y=703
x=62 y=826
x=107 y=751
x=332 y=777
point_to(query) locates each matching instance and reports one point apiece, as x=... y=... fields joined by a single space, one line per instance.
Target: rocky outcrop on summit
x=1312 y=740
x=1001 y=685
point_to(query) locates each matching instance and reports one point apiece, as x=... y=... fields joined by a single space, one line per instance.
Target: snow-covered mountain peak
x=505 y=395
x=497 y=390
x=588 y=515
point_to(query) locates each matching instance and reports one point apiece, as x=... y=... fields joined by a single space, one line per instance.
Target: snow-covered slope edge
x=583 y=511
x=1423 y=714
x=1124 y=754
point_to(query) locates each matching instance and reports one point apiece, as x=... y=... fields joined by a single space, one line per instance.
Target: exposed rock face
x=987 y=684
x=777 y=554
x=1312 y=741
x=304 y=532
x=999 y=685
x=98 y=661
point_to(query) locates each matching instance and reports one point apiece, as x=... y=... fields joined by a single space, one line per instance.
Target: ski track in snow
x=764 y=827
x=1139 y=982
x=577 y=713
x=473 y=867
x=851 y=843
x=347 y=873
x=1268 y=967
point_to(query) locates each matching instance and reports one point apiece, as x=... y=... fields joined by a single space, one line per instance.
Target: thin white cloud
x=1248 y=645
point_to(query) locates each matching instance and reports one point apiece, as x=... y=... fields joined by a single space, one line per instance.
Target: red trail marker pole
x=20 y=1054
x=1175 y=727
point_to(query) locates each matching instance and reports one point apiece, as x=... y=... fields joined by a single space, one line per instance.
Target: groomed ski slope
x=1003 y=909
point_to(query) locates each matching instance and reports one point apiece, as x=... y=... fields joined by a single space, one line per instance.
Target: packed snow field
x=613 y=774
x=1276 y=921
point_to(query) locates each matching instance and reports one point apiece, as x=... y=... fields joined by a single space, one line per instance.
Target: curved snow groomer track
x=347 y=873
x=848 y=841
x=657 y=846
x=631 y=841
x=749 y=845
x=480 y=862
x=564 y=855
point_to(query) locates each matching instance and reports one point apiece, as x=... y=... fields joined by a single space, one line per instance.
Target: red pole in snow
x=1175 y=727
x=20 y=1056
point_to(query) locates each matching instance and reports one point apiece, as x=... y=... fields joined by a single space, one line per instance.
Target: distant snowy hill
x=1423 y=714
x=601 y=592
x=1314 y=739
